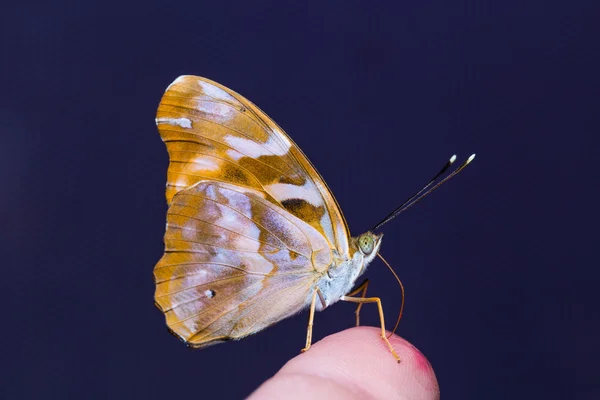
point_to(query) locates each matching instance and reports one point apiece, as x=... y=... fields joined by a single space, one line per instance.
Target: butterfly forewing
x=213 y=133
x=234 y=263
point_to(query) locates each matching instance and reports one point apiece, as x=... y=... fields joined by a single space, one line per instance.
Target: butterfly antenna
x=401 y=287
x=427 y=189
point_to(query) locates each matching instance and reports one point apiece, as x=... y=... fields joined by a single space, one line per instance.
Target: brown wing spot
x=232 y=173
x=305 y=211
x=281 y=173
x=298 y=181
x=293 y=255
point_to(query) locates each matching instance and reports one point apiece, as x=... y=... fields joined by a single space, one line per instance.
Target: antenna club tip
x=453 y=158
x=471 y=158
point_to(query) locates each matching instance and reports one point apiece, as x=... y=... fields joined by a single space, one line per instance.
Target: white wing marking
x=182 y=122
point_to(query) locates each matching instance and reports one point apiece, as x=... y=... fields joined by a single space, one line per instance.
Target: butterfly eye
x=365 y=242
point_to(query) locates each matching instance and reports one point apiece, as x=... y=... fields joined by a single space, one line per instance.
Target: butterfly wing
x=212 y=132
x=234 y=263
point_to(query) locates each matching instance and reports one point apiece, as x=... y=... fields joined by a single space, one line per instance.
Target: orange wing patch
x=213 y=133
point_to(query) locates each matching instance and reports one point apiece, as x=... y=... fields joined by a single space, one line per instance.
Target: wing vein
x=211 y=307
x=266 y=204
x=163 y=128
x=254 y=306
x=231 y=277
x=197 y=117
x=218 y=226
x=273 y=208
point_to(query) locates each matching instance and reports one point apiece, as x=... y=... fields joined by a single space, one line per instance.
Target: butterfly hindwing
x=234 y=263
x=213 y=133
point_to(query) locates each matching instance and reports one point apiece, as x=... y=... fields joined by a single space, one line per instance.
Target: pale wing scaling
x=234 y=263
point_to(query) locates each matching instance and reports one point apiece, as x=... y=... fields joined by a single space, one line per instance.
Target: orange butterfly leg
x=363 y=286
x=311 y=318
x=377 y=300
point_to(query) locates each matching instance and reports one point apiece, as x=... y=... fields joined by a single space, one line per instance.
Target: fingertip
x=356 y=363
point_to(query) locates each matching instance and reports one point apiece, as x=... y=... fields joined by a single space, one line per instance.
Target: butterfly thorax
x=341 y=276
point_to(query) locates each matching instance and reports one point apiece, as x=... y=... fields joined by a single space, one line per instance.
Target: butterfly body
x=253 y=233
x=341 y=277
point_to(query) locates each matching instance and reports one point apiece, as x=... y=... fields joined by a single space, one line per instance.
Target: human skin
x=353 y=364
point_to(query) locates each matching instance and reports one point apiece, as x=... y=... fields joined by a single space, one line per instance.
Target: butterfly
x=253 y=233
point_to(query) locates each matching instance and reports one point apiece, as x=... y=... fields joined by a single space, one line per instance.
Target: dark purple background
x=500 y=265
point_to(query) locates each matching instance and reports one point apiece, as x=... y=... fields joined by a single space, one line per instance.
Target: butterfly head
x=368 y=244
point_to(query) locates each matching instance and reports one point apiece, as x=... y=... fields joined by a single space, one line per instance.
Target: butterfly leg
x=363 y=286
x=311 y=318
x=377 y=300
